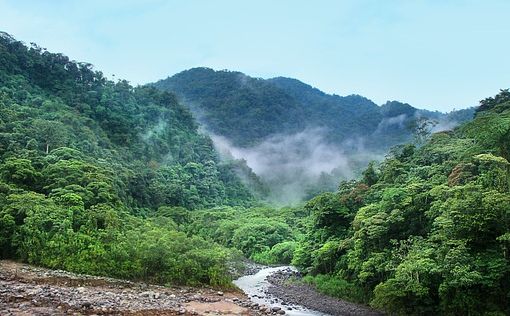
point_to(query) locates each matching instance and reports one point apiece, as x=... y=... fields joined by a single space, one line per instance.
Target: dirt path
x=28 y=290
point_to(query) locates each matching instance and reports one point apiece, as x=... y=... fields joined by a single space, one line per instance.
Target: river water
x=255 y=285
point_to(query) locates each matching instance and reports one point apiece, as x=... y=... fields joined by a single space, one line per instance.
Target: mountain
x=248 y=110
x=244 y=109
x=344 y=117
x=298 y=139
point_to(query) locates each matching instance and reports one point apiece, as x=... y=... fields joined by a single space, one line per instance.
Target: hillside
x=95 y=174
x=426 y=231
x=298 y=139
x=248 y=110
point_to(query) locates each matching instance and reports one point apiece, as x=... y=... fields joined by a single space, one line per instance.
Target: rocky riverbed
x=289 y=292
x=28 y=290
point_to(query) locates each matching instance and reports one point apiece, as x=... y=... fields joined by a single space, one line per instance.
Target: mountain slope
x=249 y=110
x=347 y=116
x=298 y=139
x=80 y=156
x=425 y=232
x=244 y=109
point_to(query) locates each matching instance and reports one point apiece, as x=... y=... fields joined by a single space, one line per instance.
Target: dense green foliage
x=264 y=234
x=83 y=160
x=104 y=178
x=282 y=126
x=234 y=105
x=248 y=110
x=426 y=231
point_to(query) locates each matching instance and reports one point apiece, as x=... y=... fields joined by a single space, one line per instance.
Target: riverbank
x=29 y=290
x=297 y=293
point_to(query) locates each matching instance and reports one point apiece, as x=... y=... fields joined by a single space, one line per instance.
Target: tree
x=421 y=129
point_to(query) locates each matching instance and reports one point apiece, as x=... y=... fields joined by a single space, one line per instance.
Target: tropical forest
x=213 y=192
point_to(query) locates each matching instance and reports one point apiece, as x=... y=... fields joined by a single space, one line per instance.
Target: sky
x=435 y=54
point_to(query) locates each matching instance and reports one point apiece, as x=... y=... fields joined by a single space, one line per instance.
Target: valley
x=151 y=199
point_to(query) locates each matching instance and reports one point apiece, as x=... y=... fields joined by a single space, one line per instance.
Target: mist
x=444 y=125
x=293 y=165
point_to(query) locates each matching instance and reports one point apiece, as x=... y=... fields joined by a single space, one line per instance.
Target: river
x=255 y=287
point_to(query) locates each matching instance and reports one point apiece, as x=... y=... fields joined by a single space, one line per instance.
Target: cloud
x=444 y=125
x=158 y=128
x=292 y=164
x=391 y=122
x=305 y=151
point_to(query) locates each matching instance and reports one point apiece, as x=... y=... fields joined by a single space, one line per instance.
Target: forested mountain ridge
x=248 y=110
x=80 y=155
x=299 y=140
x=234 y=105
x=348 y=117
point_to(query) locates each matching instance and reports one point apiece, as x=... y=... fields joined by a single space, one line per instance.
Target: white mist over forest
x=295 y=166
x=292 y=164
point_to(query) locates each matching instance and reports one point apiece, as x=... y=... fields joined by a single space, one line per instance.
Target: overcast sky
x=435 y=54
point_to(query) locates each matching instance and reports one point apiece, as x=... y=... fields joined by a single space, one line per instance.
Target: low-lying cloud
x=292 y=164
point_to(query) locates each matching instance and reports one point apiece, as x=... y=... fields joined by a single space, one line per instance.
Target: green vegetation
x=104 y=178
x=426 y=231
x=284 y=126
x=263 y=234
x=248 y=110
x=89 y=169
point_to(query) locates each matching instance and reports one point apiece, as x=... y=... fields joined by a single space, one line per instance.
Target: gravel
x=298 y=293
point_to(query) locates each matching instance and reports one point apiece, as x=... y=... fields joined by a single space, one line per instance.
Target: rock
x=151 y=294
x=86 y=304
x=220 y=293
x=275 y=308
x=280 y=312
